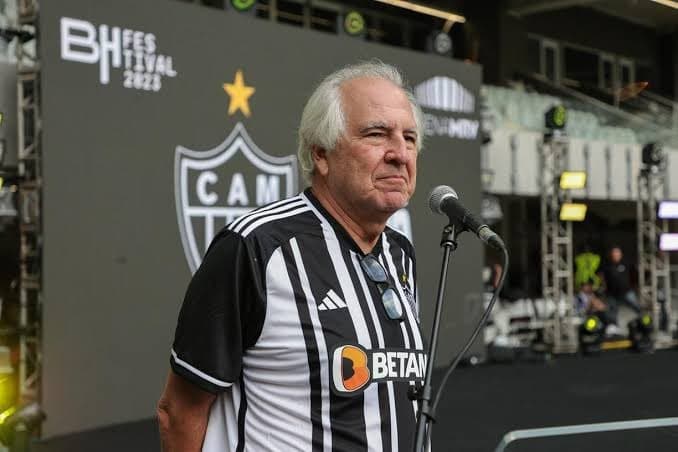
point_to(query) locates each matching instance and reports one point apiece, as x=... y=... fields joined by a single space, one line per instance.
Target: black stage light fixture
x=640 y=333
x=555 y=118
x=591 y=335
x=653 y=154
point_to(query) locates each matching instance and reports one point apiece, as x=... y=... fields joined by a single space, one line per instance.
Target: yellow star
x=240 y=93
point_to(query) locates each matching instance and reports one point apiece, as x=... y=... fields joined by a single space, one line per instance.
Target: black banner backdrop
x=162 y=122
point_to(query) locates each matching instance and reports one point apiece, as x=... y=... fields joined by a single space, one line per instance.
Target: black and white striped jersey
x=282 y=322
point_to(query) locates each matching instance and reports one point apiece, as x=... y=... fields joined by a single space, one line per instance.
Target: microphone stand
x=449 y=243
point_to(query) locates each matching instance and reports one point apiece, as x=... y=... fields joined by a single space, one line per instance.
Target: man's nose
x=399 y=151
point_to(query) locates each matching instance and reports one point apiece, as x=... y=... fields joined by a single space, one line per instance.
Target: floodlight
x=653 y=154
x=354 y=23
x=19 y=421
x=440 y=43
x=572 y=180
x=668 y=210
x=668 y=242
x=555 y=117
x=591 y=335
x=640 y=333
x=243 y=5
x=572 y=211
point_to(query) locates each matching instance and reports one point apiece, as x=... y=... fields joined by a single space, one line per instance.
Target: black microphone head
x=438 y=194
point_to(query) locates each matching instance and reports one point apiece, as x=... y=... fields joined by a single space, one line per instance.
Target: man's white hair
x=323 y=122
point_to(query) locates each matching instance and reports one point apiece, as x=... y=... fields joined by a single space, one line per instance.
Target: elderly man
x=300 y=330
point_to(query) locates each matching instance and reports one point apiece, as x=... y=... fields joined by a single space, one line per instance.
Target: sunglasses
x=389 y=297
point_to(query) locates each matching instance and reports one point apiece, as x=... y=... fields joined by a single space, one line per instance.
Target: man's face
x=372 y=169
x=616 y=255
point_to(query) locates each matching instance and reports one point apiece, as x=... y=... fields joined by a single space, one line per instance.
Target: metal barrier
x=516 y=435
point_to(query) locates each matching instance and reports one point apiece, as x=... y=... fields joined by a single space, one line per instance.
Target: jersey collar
x=341 y=233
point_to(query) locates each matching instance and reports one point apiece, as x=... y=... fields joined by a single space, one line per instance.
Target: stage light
x=16 y=424
x=243 y=5
x=640 y=333
x=668 y=210
x=354 y=23
x=440 y=43
x=591 y=335
x=571 y=211
x=7 y=380
x=572 y=180
x=555 y=118
x=653 y=154
x=668 y=242
x=425 y=10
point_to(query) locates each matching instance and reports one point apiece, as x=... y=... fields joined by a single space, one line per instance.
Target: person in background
x=587 y=302
x=617 y=280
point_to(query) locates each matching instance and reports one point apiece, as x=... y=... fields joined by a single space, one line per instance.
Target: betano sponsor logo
x=447 y=95
x=354 y=368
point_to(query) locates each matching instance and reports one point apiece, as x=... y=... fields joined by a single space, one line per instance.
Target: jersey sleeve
x=222 y=315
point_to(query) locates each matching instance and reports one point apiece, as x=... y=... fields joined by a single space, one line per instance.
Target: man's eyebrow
x=374 y=125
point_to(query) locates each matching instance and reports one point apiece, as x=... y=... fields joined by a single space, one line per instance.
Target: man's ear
x=319 y=156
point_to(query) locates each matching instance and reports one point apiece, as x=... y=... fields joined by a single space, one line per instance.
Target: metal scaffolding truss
x=30 y=207
x=556 y=246
x=654 y=278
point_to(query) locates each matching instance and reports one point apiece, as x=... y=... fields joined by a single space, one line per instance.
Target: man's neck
x=364 y=232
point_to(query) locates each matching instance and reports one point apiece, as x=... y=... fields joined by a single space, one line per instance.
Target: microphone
x=444 y=200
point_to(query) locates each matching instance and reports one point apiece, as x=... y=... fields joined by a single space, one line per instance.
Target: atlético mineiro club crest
x=212 y=188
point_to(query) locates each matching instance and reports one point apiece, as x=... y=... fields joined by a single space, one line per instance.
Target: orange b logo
x=350 y=371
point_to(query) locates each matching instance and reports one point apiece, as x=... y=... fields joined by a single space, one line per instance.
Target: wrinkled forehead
x=375 y=99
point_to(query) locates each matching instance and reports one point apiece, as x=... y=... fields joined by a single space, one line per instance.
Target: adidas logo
x=331 y=301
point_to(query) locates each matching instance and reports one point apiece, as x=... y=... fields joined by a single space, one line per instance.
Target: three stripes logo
x=331 y=301
x=444 y=93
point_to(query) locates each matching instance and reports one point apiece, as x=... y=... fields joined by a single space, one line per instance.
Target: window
x=290 y=13
x=550 y=60
x=606 y=72
x=534 y=55
x=324 y=20
x=580 y=66
x=626 y=71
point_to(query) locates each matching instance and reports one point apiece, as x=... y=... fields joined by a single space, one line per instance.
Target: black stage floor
x=482 y=403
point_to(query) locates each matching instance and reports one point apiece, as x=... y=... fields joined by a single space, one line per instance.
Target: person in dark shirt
x=617 y=277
